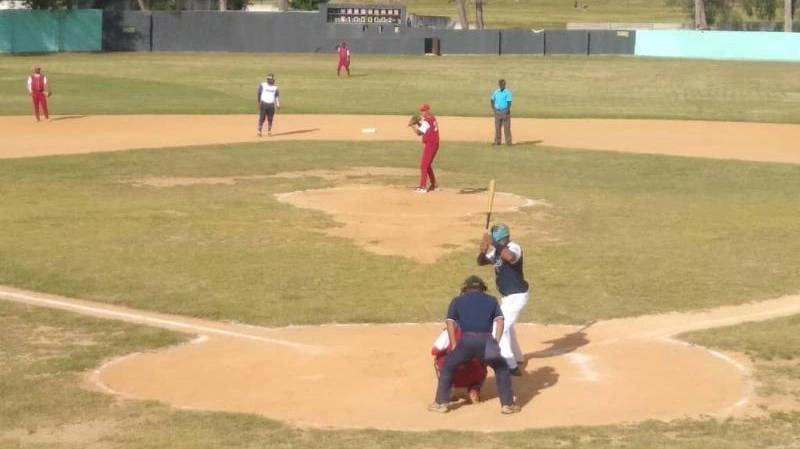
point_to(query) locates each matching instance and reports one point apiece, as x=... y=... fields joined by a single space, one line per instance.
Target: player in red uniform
x=469 y=375
x=344 y=58
x=428 y=128
x=39 y=89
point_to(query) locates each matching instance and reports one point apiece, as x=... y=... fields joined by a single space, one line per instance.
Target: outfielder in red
x=39 y=90
x=469 y=375
x=429 y=130
x=344 y=58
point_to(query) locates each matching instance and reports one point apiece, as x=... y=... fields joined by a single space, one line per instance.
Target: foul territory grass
x=46 y=352
x=623 y=235
x=209 y=83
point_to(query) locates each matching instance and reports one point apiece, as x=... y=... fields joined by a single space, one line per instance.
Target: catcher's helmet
x=499 y=232
x=473 y=283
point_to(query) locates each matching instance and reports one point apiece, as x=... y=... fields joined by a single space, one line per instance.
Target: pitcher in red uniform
x=344 y=58
x=39 y=89
x=429 y=130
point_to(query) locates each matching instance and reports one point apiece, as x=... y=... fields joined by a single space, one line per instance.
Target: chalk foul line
x=152 y=321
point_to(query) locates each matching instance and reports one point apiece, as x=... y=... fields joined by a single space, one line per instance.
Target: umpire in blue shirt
x=476 y=313
x=501 y=105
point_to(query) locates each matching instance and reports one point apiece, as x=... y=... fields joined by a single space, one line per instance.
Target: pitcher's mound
x=393 y=220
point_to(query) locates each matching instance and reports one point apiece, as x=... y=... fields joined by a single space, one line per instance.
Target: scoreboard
x=365 y=14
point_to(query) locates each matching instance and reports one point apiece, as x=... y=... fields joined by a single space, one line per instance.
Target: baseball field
x=169 y=279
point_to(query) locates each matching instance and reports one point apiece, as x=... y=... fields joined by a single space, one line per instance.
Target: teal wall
x=754 y=45
x=27 y=31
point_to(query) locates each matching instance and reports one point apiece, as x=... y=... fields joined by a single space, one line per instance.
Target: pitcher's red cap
x=425 y=107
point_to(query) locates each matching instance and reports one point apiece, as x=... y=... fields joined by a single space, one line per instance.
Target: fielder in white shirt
x=268 y=101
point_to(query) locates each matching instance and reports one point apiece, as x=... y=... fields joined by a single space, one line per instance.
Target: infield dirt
x=380 y=376
x=24 y=137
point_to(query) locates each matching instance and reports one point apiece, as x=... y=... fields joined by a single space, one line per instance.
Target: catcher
x=469 y=376
x=39 y=89
x=427 y=127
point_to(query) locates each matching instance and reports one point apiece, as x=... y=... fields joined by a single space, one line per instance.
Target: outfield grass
x=45 y=353
x=551 y=13
x=615 y=87
x=626 y=234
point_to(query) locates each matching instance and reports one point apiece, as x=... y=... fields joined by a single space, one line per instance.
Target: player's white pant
x=512 y=306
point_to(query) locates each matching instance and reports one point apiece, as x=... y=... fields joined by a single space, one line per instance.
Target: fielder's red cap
x=425 y=107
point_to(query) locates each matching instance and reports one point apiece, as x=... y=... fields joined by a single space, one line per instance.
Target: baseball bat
x=491 y=203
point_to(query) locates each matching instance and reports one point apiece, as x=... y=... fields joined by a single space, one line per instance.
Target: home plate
x=368 y=130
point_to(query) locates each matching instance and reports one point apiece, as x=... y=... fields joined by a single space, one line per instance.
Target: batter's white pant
x=512 y=306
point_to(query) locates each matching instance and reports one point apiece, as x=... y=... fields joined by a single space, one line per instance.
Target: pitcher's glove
x=414 y=120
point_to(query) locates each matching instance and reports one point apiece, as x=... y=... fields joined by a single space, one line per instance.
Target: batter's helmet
x=473 y=283
x=499 y=232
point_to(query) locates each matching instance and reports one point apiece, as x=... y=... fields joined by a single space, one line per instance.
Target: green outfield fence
x=26 y=31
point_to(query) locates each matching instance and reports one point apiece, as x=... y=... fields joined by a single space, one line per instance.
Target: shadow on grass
x=528 y=142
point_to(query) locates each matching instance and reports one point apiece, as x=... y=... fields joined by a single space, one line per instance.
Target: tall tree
x=283 y=5
x=710 y=12
x=479 y=14
x=788 y=15
x=142 y=5
x=223 y=5
x=306 y=5
x=700 y=22
x=463 y=20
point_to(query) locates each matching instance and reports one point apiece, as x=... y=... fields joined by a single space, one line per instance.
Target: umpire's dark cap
x=474 y=283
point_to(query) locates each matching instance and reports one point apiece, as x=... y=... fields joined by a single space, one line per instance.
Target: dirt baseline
x=24 y=137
